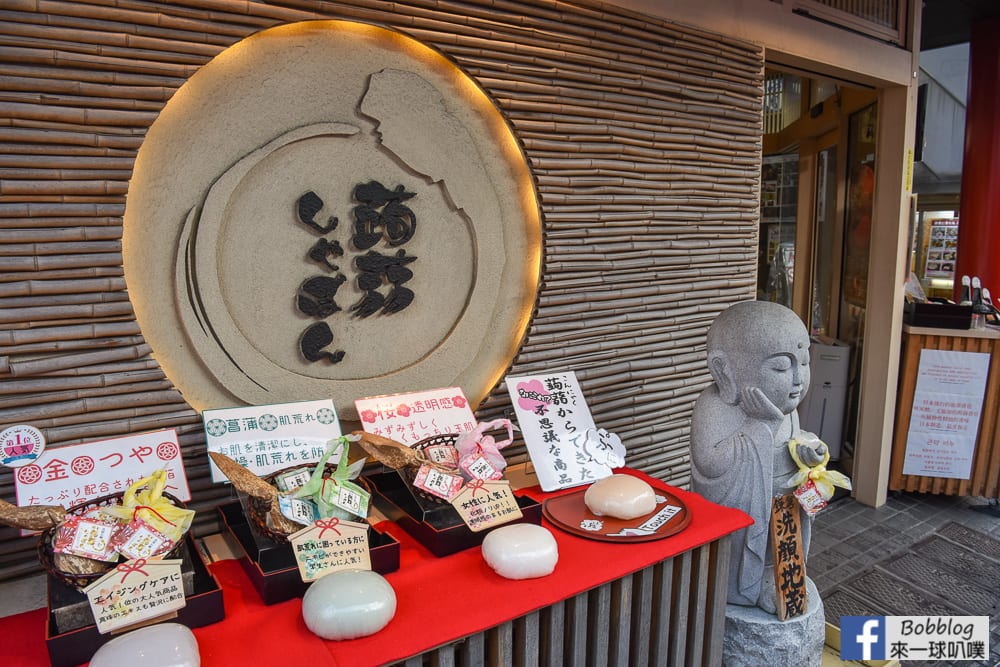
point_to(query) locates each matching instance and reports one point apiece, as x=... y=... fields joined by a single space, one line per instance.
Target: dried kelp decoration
x=32 y=517
x=388 y=452
x=252 y=485
x=394 y=454
x=243 y=479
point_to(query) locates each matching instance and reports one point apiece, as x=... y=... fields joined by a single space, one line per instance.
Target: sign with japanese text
x=789 y=562
x=21 y=445
x=330 y=545
x=267 y=438
x=556 y=423
x=944 y=420
x=135 y=592
x=77 y=473
x=410 y=418
x=484 y=504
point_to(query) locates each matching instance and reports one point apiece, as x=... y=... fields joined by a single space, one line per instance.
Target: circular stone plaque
x=330 y=209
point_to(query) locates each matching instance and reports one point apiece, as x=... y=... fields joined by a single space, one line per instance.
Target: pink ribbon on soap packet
x=476 y=441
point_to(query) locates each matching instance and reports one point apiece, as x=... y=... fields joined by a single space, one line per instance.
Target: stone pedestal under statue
x=754 y=637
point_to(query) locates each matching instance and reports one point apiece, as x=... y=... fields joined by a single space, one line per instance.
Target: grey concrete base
x=754 y=637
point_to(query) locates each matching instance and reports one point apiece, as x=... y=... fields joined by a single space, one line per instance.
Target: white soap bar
x=620 y=496
x=162 y=645
x=521 y=551
x=348 y=604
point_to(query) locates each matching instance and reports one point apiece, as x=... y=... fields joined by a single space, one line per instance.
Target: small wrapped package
x=479 y=454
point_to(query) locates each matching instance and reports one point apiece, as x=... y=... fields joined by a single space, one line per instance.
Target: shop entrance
x=817 y=188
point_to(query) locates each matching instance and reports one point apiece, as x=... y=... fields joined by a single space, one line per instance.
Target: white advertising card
x=556 y=423
x=267 y=438
x=944 y=420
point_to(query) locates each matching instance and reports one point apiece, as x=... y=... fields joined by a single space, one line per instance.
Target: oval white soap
x=620 y=496
x=521 y=551
x=348 y=604
x=162 y=645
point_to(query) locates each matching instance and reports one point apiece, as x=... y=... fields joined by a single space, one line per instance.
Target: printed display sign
x=330 y=545
x=410 y=418
x=942 y=249
x=484 y=504
x=135 y=592
x=77 y=473
x=556 y=424
x=267 y=438
x=944 y=420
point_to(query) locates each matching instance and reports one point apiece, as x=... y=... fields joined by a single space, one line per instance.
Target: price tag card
x=410 y=418
x=558 y=430
x=267 y=438
x=484 y=504
x=135 y=592
x=330 y=545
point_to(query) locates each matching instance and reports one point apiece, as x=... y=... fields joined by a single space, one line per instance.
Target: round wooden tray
x=569 y=513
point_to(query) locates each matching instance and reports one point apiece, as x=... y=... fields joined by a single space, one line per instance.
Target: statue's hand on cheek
x=757 y=406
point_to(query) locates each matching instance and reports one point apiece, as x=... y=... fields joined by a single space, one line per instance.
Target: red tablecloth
x=439 y=600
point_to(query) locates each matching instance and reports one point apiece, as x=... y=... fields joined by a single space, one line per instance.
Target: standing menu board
x=942 y=248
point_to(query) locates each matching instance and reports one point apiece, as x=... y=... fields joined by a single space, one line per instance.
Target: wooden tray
x=569 y=513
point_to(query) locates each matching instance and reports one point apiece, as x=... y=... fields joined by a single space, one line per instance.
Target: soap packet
x=437 y=482
x=138 y=539
x=87 y=537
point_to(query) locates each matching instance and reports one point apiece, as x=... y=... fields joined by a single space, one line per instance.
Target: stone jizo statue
x=758 y=355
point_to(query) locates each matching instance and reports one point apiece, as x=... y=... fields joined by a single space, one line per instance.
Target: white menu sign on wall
x=944 y=420
x=410 y=418
x=555 y=422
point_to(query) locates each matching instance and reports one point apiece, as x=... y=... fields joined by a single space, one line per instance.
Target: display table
x=657 y=603
x=985 y=478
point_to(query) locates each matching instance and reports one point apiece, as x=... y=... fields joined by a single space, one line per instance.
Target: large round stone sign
x=331 y=209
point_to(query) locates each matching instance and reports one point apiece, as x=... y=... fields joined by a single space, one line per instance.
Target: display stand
x=985 y=475
x=436 y=525
x=657 y=603
x=73 y=647
x=271 y=566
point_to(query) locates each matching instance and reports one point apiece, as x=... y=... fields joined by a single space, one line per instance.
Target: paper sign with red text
x=77 y=473
x=410 y=418
x=483 y=504
x=330 y=545
x=135 y=592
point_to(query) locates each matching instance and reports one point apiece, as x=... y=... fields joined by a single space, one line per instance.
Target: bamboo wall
x=643 y=136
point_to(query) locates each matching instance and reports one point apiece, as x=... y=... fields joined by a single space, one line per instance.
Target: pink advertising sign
x=410 y=418
x=77 y=473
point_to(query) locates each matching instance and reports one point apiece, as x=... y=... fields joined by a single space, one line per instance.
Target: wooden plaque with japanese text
x=789 y=561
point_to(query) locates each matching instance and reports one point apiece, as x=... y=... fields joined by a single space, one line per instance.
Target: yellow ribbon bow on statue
x=824 y=479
